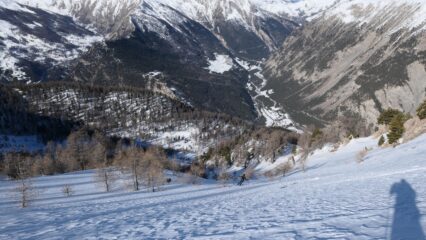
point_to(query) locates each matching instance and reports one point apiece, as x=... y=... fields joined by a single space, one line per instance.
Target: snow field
x=336 y=198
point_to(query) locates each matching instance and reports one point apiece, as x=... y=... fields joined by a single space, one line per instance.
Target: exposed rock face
x=35 y=44
x=348 y=57
x=336 y=67
x=243 y=27
x=110 y=18
x=132 y=38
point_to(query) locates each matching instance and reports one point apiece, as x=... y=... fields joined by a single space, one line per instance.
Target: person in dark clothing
x=242 y=179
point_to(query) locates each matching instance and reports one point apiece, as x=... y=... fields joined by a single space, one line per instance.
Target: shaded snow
x=13 y=143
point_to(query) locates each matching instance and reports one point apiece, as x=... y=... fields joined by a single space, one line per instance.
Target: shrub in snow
x=361 y=155
x=285 y=168
x=224 y=177
x=25 y=192
x=249 y=172
x=67 y=190
x=196 y=171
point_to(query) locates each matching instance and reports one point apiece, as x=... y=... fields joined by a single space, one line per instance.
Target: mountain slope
x=34 y=42
x=342 y=199
x=343 y=57
x=357 y=59
x=127 y=40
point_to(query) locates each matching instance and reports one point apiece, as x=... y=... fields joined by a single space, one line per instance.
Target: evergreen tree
x=421 y=111
x=396 y=127
x=387 y=116
x=381 y=141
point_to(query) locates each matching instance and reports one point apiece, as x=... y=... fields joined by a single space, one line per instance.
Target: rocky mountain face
x=243 y=27
x=34 y=43
x=358 y=58
x=190 y=47
x=267 y=61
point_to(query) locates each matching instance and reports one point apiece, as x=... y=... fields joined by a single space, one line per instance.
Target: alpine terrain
x=213 y=119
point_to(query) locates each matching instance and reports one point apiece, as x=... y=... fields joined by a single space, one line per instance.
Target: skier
x=243 y=178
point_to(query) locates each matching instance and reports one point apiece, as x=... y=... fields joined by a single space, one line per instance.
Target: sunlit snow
x=338 y=197
x=221 y=64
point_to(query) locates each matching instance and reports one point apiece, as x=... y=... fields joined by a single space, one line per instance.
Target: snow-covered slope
x=400 y=13
x=30 y=38
x=336 y=198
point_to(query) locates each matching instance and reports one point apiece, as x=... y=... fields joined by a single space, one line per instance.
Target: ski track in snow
x=336 y=198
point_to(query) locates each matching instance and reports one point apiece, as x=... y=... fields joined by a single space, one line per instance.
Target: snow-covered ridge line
x=104 y=12
x=348 y=10
x=399 y=14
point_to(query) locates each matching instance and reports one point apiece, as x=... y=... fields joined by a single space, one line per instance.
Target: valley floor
x=384 y=197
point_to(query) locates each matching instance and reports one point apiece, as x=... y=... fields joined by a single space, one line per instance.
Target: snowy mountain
x=212 y=52
x=110 y=18
x=190 y=41
x=228 y=119
x=356 y=59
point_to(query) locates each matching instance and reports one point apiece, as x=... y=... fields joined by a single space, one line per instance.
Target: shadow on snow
x=406 y=223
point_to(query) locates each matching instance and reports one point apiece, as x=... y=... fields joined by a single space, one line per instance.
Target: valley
x=212 y=119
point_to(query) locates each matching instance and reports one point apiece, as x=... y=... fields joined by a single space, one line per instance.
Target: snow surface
x=221 y=64
x=185 y=140
x=383 y=197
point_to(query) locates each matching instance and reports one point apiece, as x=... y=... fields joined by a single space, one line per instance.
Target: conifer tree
x=421 y=111
x=387 y=116
x=396 y=128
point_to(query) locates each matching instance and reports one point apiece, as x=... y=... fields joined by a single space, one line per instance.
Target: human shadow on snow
x=406 y=224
